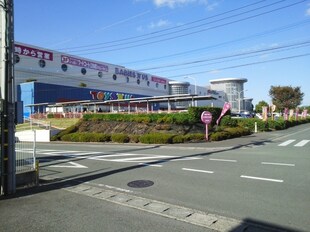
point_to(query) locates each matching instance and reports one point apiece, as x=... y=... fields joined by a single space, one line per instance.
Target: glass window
x=127 y=79
x=42 y=63
x=100 y=74
x=114 y=77
x=148 y=83
x=138 y=81
x=156 y=85
x=16 y=59
x=83 y=71
x=64 y=67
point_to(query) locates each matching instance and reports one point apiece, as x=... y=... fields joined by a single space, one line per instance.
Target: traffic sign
x=206 y=117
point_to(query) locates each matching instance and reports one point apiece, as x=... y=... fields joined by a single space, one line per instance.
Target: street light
x=239 y=99
x=193 y=78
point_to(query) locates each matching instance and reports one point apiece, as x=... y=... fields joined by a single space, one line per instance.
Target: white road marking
x=151 y=165
x=197 y=170
x=302 y=143
x=261 y=178
x=186 y=158
x=73 y=165
x=280 y=164
x=223 y=160
x=140 y=158
x=287 y=142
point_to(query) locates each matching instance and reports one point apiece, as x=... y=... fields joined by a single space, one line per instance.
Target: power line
x=226 y=56
x=268 y=32
x=163 y=30
x=235 y=59
x=194 y=32
x=244 y=65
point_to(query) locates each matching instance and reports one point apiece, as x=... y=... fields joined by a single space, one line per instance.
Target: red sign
x=33 y=52
x=159 y=80
x=206 y=117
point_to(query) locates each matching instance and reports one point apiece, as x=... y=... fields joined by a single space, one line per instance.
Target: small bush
x=156 y=138
x=120 y=138
x=227 y=121
x=69 y=130
x=86 y=137
x=178 y=139
x=195 y=137
x=217 y=136
x=134 y=138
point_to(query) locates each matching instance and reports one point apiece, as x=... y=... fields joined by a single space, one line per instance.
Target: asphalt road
x=261 y=179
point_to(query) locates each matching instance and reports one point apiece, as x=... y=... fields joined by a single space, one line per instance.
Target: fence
x=25 y=155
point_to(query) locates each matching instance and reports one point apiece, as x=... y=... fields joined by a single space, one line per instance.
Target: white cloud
x=160 y=23
x=308 y=10
x=174 y=3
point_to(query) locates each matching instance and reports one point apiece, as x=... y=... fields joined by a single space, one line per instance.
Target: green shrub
x=156 y=138
x=69 y=130
x=178 y=139
x=218 y=136
x=277 y=124
x=134 y=138
x=194 y=137
x=86 y=137
x=120 y=138
x=227 y=121
x=50 y=116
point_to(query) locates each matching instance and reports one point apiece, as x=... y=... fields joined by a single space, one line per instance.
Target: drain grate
x=140 y=183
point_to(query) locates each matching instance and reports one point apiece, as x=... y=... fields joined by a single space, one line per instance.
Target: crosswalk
x=116 y=157
x=294 y=143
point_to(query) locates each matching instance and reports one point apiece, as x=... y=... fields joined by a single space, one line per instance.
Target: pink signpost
x=206 y=118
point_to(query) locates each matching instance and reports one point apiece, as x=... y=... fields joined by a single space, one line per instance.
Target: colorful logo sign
x=106 y=96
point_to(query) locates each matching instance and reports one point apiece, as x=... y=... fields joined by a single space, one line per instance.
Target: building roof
x=228 y=80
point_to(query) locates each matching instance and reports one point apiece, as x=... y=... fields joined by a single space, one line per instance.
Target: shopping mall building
x=46 y=78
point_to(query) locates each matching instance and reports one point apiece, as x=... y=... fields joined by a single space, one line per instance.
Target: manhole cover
x=140 y=183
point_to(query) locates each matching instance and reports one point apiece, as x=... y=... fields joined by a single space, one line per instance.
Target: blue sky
x=267 y=42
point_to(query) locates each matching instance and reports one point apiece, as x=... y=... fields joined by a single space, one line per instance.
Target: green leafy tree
x=259 y=106
x=286 y=96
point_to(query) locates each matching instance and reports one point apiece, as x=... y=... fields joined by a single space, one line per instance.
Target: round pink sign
x=206 y=117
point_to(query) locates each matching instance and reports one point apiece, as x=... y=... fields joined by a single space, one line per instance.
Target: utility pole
x=7 y=99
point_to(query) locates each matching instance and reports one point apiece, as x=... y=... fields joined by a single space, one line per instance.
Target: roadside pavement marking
x=223 y=160
x=302 y=143
x=151 y=165
x=280 y=164
x=261 y=178
x=287 y=142
x=197 y=170
x=73 y=165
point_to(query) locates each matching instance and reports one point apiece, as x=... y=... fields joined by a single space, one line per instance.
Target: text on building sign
x=84 y=63
x=33 y=52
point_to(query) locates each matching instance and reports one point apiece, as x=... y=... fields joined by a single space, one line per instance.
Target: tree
x=286 y=96
x=259 y=106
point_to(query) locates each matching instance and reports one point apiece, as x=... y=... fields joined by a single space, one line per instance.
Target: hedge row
x=155 y=138
x=190 y=117
x=279 y=124
x=229 y=133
